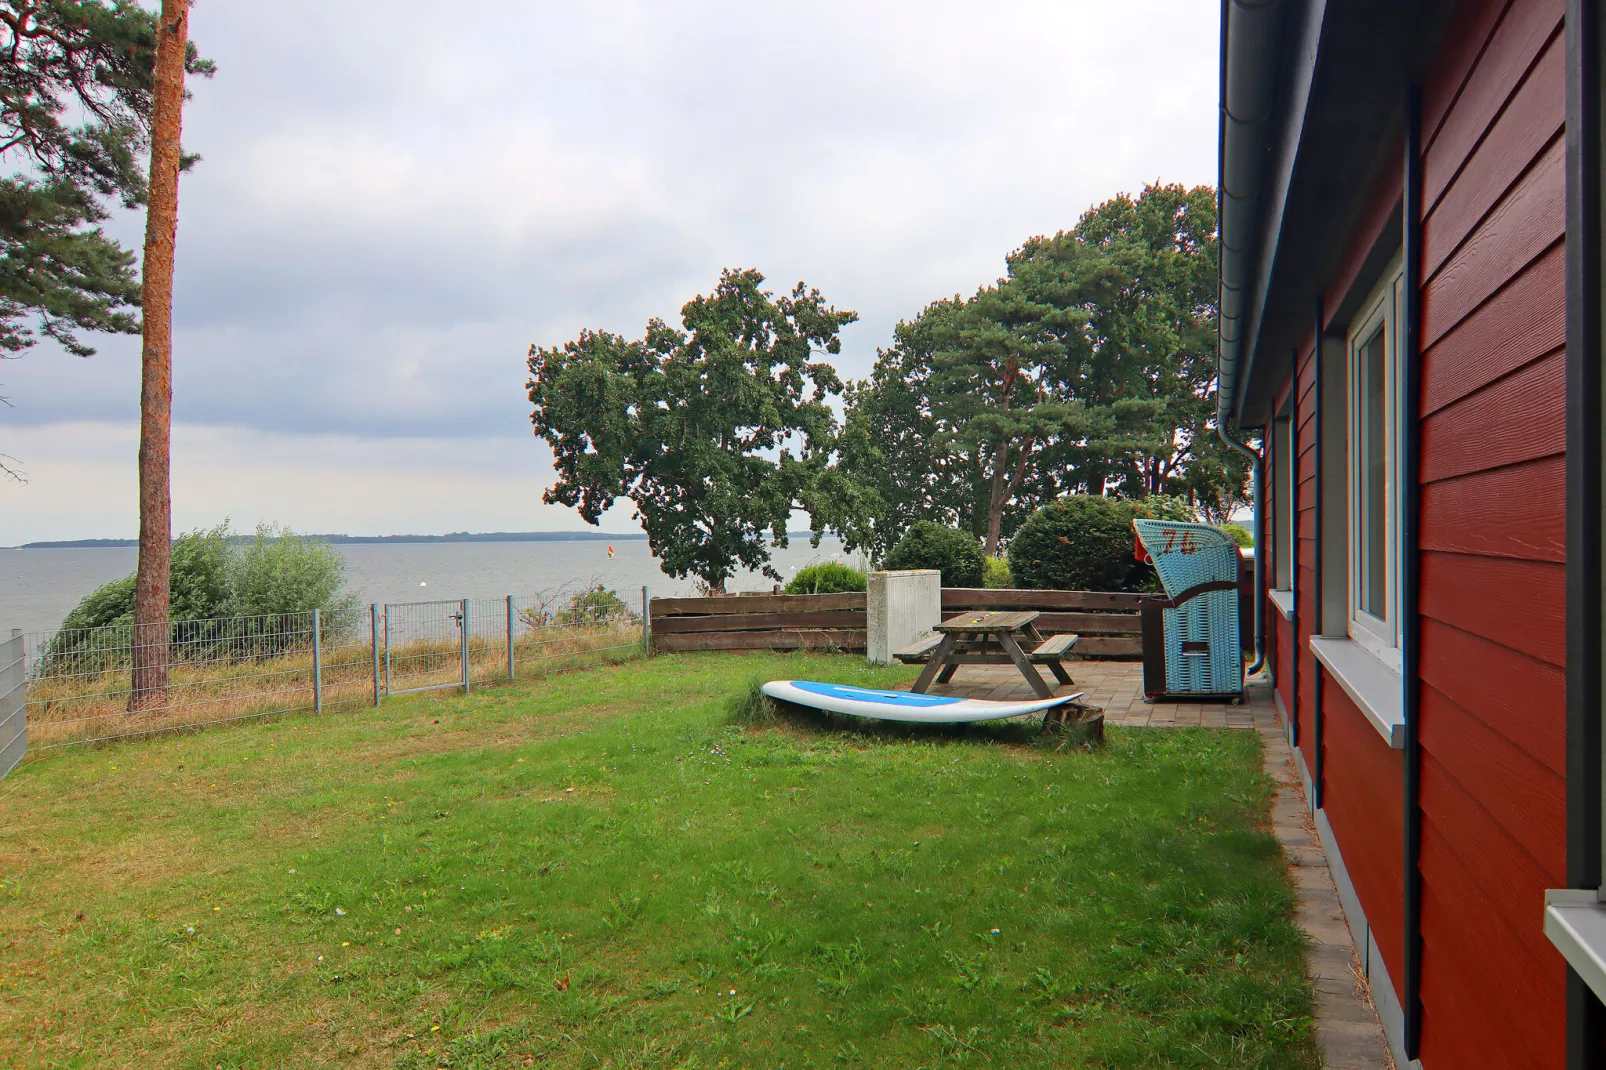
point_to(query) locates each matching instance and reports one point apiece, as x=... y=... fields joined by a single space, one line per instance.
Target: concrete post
x=900 y=607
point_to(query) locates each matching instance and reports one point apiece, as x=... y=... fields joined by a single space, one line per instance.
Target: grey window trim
x=1375 y=687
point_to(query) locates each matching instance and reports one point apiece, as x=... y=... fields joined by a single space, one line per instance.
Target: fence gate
x=13 y=703
x=424 y=646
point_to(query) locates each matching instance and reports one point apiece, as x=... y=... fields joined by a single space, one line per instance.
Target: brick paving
x=1347 y=1029
x=1117 y=687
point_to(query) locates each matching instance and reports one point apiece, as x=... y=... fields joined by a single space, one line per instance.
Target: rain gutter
x=1250 y=30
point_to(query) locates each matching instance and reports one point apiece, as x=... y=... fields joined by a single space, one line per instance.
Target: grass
x=604 y=869
x=80 y=707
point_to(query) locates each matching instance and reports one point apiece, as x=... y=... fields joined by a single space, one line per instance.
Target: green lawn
x=600 y=869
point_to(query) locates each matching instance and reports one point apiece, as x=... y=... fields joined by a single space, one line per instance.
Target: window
x=1286 y=465
x=1374 y=392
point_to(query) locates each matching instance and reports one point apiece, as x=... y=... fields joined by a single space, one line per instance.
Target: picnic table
x=990 y=638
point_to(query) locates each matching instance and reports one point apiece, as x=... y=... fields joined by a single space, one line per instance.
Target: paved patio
x=1117 y=687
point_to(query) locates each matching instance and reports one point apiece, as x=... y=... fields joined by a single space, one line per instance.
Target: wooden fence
x=1107 y=623
x=759 y=622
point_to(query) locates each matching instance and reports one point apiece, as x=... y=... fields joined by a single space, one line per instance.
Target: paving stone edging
x=1347 y=1030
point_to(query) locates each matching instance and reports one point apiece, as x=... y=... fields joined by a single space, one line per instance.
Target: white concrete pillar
x=901 y=607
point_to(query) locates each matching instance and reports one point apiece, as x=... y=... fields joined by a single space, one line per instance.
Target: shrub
x=1240 y=535
x=995 y=573
x=956 y=554
x=213 y=577
x=1080 y=543
x=198 y=585
x=280 y=572
x=826 y=578
x=596 y=604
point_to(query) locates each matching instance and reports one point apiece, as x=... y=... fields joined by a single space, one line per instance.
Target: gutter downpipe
x=1249 y=32
x=1586 y=500
x=1411 y=570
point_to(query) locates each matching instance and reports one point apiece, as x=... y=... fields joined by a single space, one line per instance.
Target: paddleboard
x=904 y=705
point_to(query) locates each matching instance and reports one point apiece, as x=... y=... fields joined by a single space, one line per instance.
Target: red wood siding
x=1365 y=802
x=1492 y=540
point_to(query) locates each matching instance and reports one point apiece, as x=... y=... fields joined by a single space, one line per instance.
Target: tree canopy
x=1088 y=368
x=76 y=78
x=715 y=431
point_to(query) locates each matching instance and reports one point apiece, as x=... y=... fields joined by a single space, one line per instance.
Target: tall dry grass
x=87 y=707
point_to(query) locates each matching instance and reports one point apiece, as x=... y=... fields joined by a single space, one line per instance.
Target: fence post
x=646 y=622
x=317 y=663
x=373 y=634
x=387 y=649
x=510 y=672
x=464 y=611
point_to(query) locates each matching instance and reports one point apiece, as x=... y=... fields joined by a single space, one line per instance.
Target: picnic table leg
x=934 y=664
x=1054 y=666
x=948 y=670
x=1024 y=664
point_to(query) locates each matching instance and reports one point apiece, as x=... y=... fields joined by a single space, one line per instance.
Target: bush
x=198 y=585
x=1240 y=535
x=279 y=572
x=956 y=554
x=1080 y=543
x=995 y=573
x=827 y=578
x=213 y=577
x=594 y=605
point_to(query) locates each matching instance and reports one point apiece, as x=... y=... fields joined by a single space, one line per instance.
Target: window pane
x=1374 y=477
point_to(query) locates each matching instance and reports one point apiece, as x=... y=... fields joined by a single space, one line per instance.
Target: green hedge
x=956 y=554
x=1080 y=543
x=826 y=578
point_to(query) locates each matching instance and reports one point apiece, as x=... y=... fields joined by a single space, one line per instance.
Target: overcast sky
x=396 y=200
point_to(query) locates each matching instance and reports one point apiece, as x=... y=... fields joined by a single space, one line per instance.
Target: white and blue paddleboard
x=904 y=705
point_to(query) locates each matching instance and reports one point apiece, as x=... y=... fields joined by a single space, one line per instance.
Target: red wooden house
x=1411 y=328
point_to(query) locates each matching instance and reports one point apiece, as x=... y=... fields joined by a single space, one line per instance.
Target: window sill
x=1284 y=601
x=1575 y=921
x=1377 y=689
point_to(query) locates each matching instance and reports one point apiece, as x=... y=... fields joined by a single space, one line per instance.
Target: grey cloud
x=392 y=207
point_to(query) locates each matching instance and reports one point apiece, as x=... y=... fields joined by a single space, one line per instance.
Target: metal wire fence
x=78 y=683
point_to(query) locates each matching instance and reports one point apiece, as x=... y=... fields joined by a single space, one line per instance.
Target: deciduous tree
x=716 y=431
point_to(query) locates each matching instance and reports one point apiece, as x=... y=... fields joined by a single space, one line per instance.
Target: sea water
x=39 y=587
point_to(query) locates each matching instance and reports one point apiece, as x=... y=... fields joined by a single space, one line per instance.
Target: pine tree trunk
x=149 y=684
x=995 y=500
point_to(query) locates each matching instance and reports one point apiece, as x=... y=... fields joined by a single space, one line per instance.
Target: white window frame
x=1381 y=311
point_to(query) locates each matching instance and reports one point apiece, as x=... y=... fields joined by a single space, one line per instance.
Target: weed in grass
x=752 y=707
x=845 y=881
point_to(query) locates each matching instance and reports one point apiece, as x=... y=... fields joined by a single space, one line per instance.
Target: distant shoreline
x=456 y=536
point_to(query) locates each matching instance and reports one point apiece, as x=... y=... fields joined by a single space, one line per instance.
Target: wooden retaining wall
x=759 y=622
x=1107 y=623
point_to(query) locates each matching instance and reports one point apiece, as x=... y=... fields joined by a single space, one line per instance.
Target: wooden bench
x=1050 y=651
x=1054 y=647
x=918 y=651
